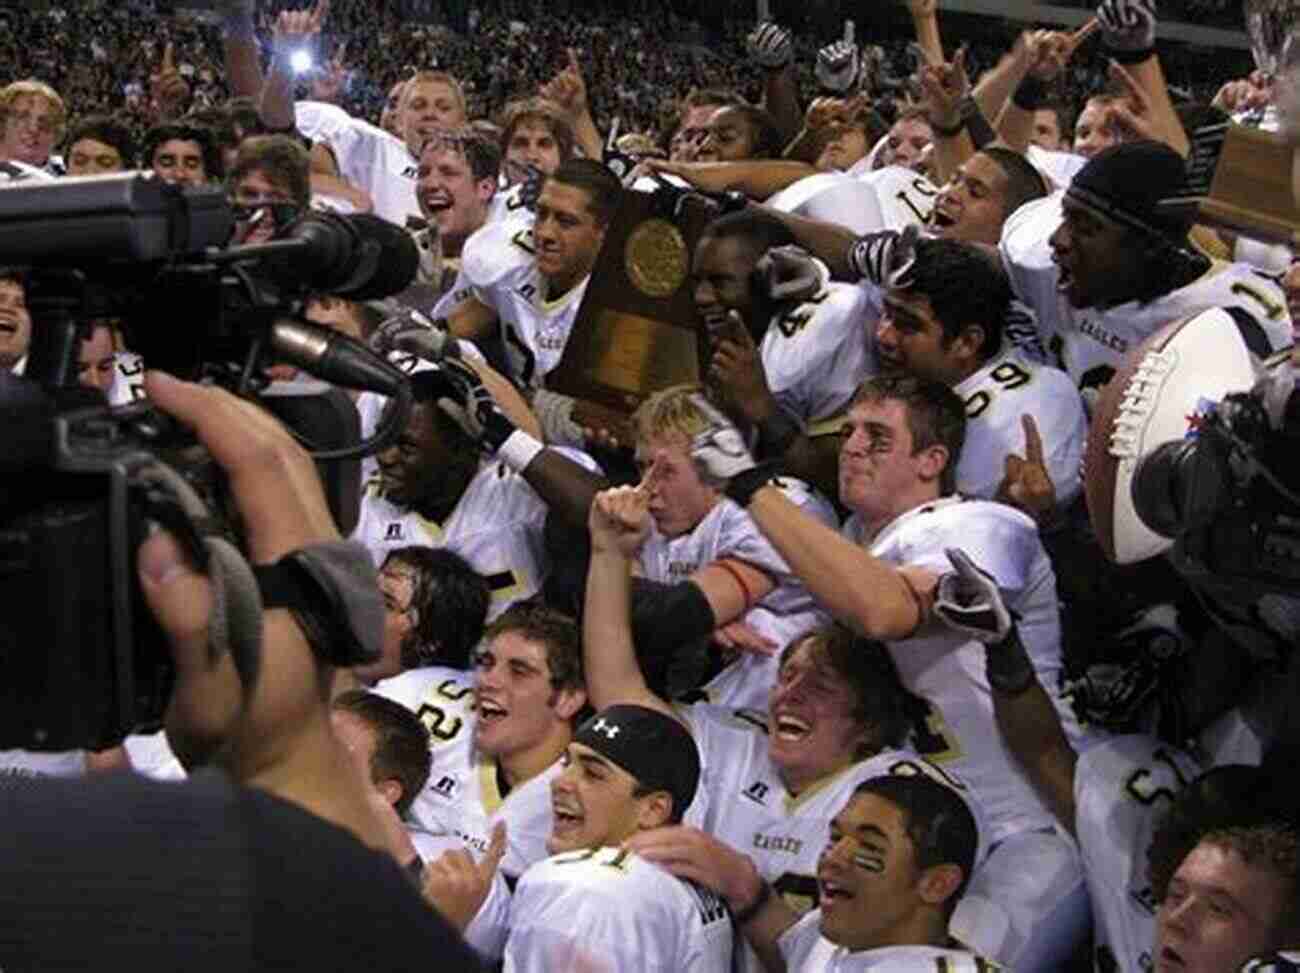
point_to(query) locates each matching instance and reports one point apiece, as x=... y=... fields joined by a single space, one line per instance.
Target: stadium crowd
x=815 y=662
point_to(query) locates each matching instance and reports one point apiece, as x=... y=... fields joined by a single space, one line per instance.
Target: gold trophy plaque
x=636 y=331
x=1244 y=180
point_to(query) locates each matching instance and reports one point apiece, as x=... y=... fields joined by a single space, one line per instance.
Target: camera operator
x=279 y=813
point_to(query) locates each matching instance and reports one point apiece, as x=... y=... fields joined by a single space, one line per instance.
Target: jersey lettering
x=524 y=241
x=933 y=738
x=522 y=360
x=1271 y=308
x=922 y=187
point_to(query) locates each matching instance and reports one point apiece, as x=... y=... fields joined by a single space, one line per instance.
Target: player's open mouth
x=8 y=326
x=566 y=818
x=940 y=220
x=790 y=729
x=831 y=894
x=490 y=712
x=1065 y=278
x=437 y=202
x=1169 y=960
x=714 y=320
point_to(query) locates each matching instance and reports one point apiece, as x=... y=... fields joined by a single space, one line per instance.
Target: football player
x=835 y=717
x=594 y=904
x=529 y=282
x=1186 y=870
x=1105 y=265
x=897 y=858
x=788 y=363
x=944 y=320
x=433 y=489
x=897 y=470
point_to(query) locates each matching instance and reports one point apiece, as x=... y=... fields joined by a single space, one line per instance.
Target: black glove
x=472 y=407
x=886 y=258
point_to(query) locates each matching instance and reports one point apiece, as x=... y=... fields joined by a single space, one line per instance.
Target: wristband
x=1007 y=666
x=1030 y=94
x=742 y=487
x=519 y=450
x=977 y=126
x=1132 y=57
x=753 y=909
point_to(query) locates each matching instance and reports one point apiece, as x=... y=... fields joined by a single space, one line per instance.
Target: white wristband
x=519 y=450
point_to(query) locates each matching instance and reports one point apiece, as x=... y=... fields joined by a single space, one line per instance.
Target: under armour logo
x=394 y=532
x=609 y=729
x=756 y=791
x=445 y=786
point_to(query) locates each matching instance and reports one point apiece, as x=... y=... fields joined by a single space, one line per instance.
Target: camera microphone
x=360 y=257
x=334 y=357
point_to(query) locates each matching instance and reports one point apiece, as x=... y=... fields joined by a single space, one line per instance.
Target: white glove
x=719 y=451
x=789 y=273
x=886 y=258
x=411 y=331
x=837 y=66
x=969 y=601
x=1128 y=25
x=770 y=46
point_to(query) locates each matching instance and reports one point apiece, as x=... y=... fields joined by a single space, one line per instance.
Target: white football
x=1167 y=386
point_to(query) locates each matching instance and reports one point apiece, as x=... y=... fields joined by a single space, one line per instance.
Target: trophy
x=636 y=331
x=1272 y=26
x=1243 y=178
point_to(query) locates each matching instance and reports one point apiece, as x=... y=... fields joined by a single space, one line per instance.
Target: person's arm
x=925 y=22
x=619 y=523
x=944 y=87
x=877 y=599
x=771 y=49
x=1128 y=29
x=568 y=89
x=239 y=46
x=472 y=320
x=756 y=178
x=293 y=30
x=334 y=185
x=1045 y=55
x=968 y=600
x=323 y=162
x=273 y=733
x=828 y=242
x=689 y=853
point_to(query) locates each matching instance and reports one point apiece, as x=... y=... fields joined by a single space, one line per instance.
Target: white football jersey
x=608 y=909
x=1007 y=387
x=904 y=196
x=508 y=204
x=946 y=669
x=1090 y=344
x=806 y=950
x=1121 y=790
x=497 y=526
x=784 y=613
x=498 y=262
x=463 y=796
x=815 y=354
x=1060 y=167
x=832 y=197
x=743 y=800
x=14 y=171
x=367 y=156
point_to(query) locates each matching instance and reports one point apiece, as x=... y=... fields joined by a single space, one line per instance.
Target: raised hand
x=457 y=885
x=169 y=89
x=1132 y=114
x=1026 y=483
x=296 y=29
x=770 y=46
x=619 y=519
x=967 y=599
x=330 y=83
x=736 y=370
x=837 y=66
x=568 y=89
x=944 y=86
x=1128 y=26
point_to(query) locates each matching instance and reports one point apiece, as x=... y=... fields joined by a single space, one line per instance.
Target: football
x=1164 y=391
